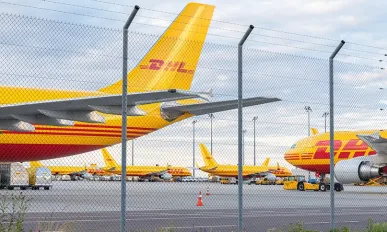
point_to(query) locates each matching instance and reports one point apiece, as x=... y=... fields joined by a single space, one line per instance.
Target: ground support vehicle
x=13 y=175
x=299 y=183
x=39 y=177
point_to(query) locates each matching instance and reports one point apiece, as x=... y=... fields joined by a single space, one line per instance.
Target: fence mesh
x=75 y=61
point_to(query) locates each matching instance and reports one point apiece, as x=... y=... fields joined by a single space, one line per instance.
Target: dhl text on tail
x=39 y=124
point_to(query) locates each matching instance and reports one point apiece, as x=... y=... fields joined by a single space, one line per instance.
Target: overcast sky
x=274 y=65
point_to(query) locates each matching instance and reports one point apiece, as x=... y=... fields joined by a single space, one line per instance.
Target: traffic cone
x=208 y=191
x=200 y=203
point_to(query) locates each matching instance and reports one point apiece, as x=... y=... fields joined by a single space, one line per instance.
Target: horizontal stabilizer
x=19 y=117
x=213 y=107
x=117 y=110
x=43 y=119
x=81 y=116
x=16 y=125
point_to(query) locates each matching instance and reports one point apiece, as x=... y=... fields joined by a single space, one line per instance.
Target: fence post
x=332 y=134
x=240 y=127
x=124 y=115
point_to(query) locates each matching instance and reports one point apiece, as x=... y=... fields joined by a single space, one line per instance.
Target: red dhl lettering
x=170 y=66
x=357 y=145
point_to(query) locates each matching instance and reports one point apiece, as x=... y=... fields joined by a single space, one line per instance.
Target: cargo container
x=13 y=175
x=39 y=177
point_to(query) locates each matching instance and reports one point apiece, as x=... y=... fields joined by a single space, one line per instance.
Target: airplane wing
x=157 y=173
x=20 y=117
x=213 y=107
x=376 y=142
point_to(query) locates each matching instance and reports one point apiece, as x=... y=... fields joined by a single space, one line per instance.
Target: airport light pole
x=254 y=119
x=332 y=135
x=325 y=114
x=240 y=126
x=211 y=117
x=308 y=110
x=193 y=147
x=124 y=115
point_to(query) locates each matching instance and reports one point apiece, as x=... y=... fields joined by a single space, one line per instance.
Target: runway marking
x=189 y=227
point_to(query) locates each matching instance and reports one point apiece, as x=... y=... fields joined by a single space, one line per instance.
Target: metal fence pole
x=254 y=119
x=331 y=135
x=132 y=152
x=240 y=126
x=124 y=115
x=193 y=147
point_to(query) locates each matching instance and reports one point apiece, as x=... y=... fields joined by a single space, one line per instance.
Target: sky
x=77 y=44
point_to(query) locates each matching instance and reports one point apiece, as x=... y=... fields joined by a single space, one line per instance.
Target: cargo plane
x=71 y=170
x=215 y=169
x=38 y=124
x=145 y=172
x=359 y=155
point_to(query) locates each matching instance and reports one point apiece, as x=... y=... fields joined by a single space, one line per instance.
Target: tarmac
x=95 y=206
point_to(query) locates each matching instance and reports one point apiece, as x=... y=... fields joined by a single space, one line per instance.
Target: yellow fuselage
x=312 y=153
x=48 y=142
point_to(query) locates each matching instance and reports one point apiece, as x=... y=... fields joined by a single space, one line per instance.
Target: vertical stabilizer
x=172 y=61
x=266 y=162
x=109 y=161
x=207 y=157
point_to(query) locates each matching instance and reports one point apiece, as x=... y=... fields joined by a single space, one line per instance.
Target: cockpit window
x=293 y=146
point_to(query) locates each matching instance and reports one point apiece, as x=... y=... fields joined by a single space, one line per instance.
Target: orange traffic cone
x=200 y=203
x=208 y=191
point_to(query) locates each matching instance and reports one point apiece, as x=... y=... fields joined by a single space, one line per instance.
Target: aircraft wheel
x=10 y=188
x=301 y=186
x=338 y=187
x=46 y=188
x=322 y=187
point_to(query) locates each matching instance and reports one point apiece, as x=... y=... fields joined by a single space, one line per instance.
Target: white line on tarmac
x=193 y=227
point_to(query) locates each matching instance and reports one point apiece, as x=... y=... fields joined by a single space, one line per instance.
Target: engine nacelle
x=271 y=177
x=166 y=176
x=356 y=171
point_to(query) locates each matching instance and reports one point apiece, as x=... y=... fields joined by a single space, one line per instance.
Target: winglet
x=314 y=131
x=266 y=162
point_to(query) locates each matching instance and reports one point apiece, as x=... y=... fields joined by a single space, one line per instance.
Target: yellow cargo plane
x=71 y=170
x=166 y=172
x=37 y=124
x=215 y=169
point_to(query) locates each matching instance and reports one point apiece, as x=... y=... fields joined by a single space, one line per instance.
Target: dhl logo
x=170 y=66
x=176 y=171
x=354 y=145
x=342 y=150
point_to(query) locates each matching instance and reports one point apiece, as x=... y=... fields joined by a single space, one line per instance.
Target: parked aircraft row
x=37 y=124
x=112 y=167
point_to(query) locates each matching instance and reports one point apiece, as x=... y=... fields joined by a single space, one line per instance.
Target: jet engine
x=271 y=177
x=166 y=176
x=356 y=170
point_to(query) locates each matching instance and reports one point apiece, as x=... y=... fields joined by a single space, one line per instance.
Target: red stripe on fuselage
x=30 y=152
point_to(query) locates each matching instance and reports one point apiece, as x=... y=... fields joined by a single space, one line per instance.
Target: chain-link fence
x=182 y=157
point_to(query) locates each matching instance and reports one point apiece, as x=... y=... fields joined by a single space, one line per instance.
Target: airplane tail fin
x=108 y=158
x=171 y=62
x=207 y=156
x=314 y=131
x=36 y=164
x=266 y=162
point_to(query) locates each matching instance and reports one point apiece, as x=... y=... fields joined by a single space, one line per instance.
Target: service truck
x=13 y=175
